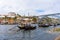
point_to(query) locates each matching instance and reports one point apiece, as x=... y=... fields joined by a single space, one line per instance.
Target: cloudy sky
x=33 y=7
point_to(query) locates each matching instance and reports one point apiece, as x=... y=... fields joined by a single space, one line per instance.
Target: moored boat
x=27 y=27
x=21 y=26
x=43 y=25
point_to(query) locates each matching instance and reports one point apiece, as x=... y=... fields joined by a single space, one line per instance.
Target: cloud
x=34 y=7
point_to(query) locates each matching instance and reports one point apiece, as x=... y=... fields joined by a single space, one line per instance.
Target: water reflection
x=26 y=34
x=11 y=32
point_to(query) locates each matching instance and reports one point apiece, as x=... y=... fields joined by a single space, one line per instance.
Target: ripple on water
x=10 y=32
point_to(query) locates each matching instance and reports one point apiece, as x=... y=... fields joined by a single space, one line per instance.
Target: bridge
x=56 y=15
x=51 y=14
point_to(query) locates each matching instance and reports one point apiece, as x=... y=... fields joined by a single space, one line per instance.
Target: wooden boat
x=27 y=27
x=21 y=27
x=43 y=25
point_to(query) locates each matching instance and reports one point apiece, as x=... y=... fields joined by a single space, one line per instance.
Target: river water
x=11 y=32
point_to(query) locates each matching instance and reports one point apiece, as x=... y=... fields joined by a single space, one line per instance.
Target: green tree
x=5 y=18
x=18 y=15
x=34 y=19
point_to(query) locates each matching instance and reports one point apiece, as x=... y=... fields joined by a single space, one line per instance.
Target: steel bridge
x=56 y=15
x=52 y=14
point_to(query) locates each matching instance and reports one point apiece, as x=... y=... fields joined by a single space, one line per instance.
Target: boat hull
x=27 y=27
x=43 y=25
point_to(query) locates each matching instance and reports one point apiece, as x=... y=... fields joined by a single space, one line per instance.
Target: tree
x=34 y=19
x=5 y=18
x=18 y=15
